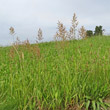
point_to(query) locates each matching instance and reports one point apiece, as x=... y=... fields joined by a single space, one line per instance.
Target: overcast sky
x=26 y=16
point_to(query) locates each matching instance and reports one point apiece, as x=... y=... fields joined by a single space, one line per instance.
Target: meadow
x=61 y=75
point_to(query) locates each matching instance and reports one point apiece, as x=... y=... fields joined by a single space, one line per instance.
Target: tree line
x=98 y=31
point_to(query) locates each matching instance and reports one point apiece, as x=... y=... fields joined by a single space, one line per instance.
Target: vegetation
x=82 y=32
x=40 y=35
x=98 y=30
x=89 y=33
x=73 y=28
x=61 y=75
x=46 y=76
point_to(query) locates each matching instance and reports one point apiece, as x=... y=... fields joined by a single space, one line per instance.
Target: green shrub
x=89 y=33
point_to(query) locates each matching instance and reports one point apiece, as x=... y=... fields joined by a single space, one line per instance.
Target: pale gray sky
x=26 y=16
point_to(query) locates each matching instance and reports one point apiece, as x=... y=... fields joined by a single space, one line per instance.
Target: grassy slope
x=49 y=76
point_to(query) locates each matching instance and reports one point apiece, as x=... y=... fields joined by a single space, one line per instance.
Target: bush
x=89 y=33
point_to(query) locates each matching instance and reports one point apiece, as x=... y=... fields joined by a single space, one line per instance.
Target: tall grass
x=43 y=77
x=62 y=75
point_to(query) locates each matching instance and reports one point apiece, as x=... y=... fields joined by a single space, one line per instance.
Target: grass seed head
x=40 y=34
x=82 y=32
x=12 y=31
x=73 y=28
x=61 y=34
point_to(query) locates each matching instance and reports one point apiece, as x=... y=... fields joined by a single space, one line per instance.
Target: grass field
x=70 y=75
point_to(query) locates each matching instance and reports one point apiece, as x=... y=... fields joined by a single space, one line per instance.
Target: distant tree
x=89 y=33
x=98 y=30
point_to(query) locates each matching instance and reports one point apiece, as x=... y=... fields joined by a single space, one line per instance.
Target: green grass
x=56 y=75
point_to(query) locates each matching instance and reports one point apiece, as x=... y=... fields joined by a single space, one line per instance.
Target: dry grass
x=82 y=32
x=40 y=35
x=61 y=34
x=73 y=28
